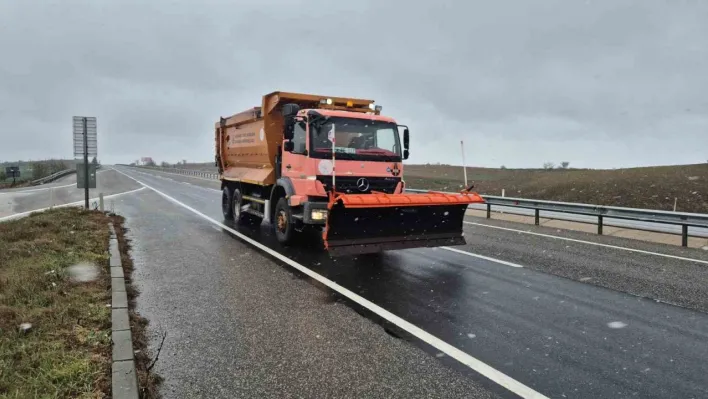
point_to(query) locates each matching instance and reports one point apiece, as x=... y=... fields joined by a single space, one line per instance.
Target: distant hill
x=646 y=187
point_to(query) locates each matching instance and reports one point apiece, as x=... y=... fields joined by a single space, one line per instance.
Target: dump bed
x=247 y=143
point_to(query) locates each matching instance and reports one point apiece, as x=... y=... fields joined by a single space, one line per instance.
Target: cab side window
x=299 y=138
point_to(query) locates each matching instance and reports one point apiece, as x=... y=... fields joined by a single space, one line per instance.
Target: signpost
x=12 y=171
x=85 y=145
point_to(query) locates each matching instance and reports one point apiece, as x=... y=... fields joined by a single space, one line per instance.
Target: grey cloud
x=599 y=83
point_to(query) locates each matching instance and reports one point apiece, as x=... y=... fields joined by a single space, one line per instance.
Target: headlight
x=319 y=214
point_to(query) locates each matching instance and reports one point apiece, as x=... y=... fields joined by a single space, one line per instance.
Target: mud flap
x=382 y=222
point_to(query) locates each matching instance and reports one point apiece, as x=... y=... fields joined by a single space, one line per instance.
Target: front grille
x=349 y=184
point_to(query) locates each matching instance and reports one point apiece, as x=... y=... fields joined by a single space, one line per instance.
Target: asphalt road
x=534 y=305
x=558 y=336
x=61 y=191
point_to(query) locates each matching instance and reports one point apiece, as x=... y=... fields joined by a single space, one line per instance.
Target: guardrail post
x=537 y=216
x=489 y=210
x=599 y=225
x=684 y=235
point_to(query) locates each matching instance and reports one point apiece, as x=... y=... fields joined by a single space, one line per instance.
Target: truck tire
x=240 y=216
x=226 y=201
x=236 y=203
x=282 y=223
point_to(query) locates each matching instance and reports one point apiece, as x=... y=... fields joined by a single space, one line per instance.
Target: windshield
x=361 y=139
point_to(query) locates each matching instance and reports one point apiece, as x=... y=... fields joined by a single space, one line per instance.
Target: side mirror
x=289 y=128
x=405 y=154
x=288 y=146
x=290 y=110
x=406 y=139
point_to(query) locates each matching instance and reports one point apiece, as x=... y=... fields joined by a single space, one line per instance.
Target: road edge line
x=473 y=363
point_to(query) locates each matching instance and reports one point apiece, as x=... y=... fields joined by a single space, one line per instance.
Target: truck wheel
x=282 y=222
x=237 y=202
x=226 y=201
x=239 y=215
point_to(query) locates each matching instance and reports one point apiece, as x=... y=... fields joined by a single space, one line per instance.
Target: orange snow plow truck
x=303 y=161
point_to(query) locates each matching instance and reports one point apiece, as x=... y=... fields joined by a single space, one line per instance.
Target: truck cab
x=357 y=152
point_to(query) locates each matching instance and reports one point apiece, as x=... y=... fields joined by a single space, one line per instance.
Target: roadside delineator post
x=464 y=166
x=537 y=217
x=599 y=225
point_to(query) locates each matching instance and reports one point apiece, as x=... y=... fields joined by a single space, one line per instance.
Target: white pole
x=464 y=167
x=503 y=193
x=334 y=186
x=675 y=201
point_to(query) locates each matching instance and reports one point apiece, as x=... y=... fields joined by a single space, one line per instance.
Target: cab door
x=294 y=161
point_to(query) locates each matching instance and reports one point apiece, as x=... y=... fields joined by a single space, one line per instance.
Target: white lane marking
x=462 y=357
x=23 y=214
x=495 y=260
x=592 y=243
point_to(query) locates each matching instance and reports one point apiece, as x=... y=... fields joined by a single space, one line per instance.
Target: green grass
x=67 y=352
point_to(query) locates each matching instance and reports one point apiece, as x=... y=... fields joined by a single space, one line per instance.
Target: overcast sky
x=600 y=84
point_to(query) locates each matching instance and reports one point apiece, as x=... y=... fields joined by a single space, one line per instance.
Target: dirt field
x=649 y=187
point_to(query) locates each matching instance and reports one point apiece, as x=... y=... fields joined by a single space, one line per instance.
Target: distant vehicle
x=334 y=164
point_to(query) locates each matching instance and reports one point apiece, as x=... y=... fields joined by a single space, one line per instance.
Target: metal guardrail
x=53 y=176
x=186 y=172
x=683 y=219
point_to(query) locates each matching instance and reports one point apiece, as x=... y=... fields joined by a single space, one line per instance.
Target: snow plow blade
x=368 y=223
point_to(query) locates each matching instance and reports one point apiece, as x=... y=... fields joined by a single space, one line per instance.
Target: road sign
x=12 y=171
x=80 y=179
x=85 y=146
x=92 y=143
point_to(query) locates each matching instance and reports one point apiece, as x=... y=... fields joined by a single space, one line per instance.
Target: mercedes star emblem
x=362 y=184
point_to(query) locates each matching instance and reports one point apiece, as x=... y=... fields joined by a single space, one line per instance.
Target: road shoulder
x=661 y=272
x=240 y=324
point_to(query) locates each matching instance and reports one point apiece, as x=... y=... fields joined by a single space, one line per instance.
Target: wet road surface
x=561 y=337
x=240 y=325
